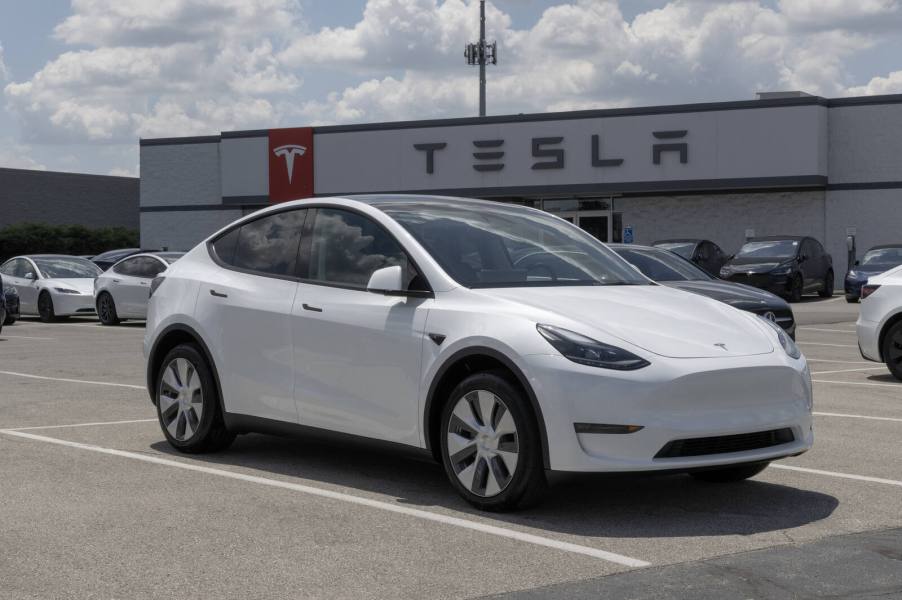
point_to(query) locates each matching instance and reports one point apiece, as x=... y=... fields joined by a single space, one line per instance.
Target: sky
x=82 y=81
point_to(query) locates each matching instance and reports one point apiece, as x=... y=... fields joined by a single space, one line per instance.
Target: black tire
x=827 y=292
x=851 y=299
x=795 y=288
x=730 y=474
x=527 y=484
x=211 y=434
x=9 y=320
x=106 y=309
x=892 y=350
x=45 y=308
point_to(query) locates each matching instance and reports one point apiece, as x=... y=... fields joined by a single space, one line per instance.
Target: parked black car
x=875 y=261
x=10 y=298
x=704 y=253
x=788 y=266
x=673 y=270
x=111 y=257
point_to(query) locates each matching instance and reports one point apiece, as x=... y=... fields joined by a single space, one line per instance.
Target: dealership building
x=784 y=164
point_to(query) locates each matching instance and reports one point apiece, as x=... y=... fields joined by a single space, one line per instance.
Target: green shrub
x=38 y=238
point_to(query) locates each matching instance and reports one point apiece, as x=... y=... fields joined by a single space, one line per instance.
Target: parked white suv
x=416 y=320
x=880 y=320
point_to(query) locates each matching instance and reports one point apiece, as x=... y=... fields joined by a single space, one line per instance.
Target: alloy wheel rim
x=181 y=399
x=483 y=443
x=105 y=312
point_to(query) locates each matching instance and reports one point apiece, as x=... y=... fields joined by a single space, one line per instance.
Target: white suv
x=504 y=340
x=880 y=320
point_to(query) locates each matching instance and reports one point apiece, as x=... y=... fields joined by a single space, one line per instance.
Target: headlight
x=66 y=291
x=789 y=346
x=853 y=274
x=586 y=351
x=782 y=271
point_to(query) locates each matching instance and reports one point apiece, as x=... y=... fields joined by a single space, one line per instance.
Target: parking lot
x=96 y=505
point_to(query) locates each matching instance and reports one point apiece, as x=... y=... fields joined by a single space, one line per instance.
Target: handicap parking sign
x=628 y=235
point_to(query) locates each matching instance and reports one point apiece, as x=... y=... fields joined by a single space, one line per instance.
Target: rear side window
x=267 y=245
x=127 y=267
x=149 y=267
x=347 y=248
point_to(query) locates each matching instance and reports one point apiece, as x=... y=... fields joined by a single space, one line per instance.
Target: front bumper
x=775 y=284
x=73 y=304
x=673 y=399
x=852 y=288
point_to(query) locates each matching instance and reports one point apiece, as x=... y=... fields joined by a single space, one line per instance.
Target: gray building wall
x=28 y=196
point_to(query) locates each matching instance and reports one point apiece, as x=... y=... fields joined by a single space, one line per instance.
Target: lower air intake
x=724 y=444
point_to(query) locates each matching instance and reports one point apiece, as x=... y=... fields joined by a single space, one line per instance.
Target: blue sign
x=628 y=235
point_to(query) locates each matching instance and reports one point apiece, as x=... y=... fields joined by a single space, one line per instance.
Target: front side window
x=347 y=248
x=9 y=268
x=266 y=245
x=506 y=246
x=67 y=268
x=149 y=268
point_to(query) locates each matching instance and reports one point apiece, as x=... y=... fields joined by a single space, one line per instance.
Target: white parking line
x=803 y=328
x=889 y=385
x=848 y=370
x=840 y=475
x=82 y=424
x=845 y=416
x=831 y=345
x=378 y=504
x=30 y=376
x=24 y=337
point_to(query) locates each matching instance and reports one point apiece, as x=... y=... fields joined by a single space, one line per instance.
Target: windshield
x=684 y=249
x=883 y=256
x=505 y=246
x=769 y=249
x=662 y=265
x=67 y=268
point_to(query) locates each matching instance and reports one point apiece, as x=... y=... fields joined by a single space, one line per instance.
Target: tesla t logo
x=290 y=164
x=289 y=151
x=722 y=346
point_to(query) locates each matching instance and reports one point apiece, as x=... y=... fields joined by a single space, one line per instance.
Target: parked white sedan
x=123 y=290
x=52 y=285
x=880 y=321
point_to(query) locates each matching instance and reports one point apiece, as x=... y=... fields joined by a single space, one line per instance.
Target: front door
x=357 y=353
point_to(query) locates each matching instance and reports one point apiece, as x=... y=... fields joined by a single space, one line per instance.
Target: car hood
x=661 y=320
x=737 y=295
x=85 y=285
x=756 y=265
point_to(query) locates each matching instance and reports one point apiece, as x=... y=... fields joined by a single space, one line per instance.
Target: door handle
x=217 y=294
x=312 y=308
x=117 y=281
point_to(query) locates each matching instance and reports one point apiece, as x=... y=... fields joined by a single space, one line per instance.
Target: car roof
x=634 y=247
x=378 y=200
x=770 y=238
x=687 y=240
x=49 y=256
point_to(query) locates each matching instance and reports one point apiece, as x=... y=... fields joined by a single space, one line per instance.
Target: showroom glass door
x=594 y=216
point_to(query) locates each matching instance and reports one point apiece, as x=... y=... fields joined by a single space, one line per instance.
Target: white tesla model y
x=410 y=319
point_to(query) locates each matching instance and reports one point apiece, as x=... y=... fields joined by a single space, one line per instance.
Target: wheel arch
x=457 y=366
x=169 y=338
x=885 y=330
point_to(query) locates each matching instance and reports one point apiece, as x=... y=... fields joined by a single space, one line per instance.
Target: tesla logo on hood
x=289 y=151
x=721 y=345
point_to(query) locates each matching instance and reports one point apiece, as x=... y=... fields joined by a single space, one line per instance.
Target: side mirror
x=29 y=275
x=387 y=280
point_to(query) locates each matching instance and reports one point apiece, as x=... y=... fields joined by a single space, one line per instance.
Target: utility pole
x=481 y=54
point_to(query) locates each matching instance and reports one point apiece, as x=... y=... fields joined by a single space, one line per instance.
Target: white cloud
x=891 y=84
x=14 y=155
x=4 y=72
x=872 y=15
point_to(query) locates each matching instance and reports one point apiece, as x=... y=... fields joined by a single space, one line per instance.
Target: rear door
x=137 y=291
x=124 y=285
x=245 y=309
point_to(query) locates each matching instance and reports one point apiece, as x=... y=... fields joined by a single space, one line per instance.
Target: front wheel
x=795 y=288
x=188 y=403
x=490 y=444
x=45 y=308
x=827 y=292
x=730 y=474
x=106 y=310
x=892 y=350
x=851 y=299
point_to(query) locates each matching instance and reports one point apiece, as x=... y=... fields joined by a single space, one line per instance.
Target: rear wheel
x=827 y=292
x=490 y=444
x=188 y=403
x=730 y=474
x=892 y=350
x=851 y=299
x=795 y=288
x=106 y=309
x=45 y=308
